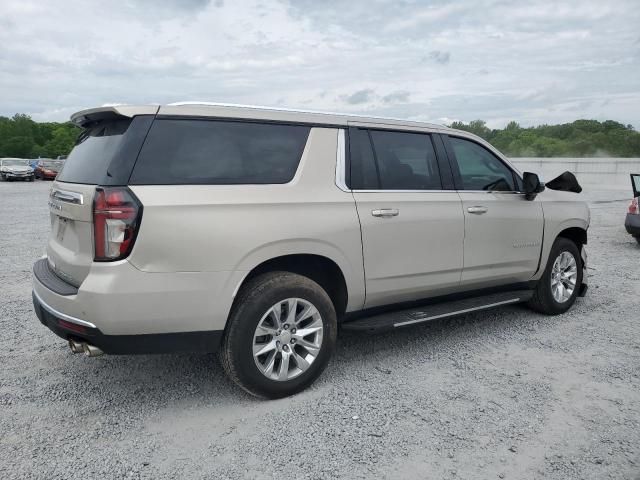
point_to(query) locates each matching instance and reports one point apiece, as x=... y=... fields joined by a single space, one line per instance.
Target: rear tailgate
x=104 y=155
x=70 y=248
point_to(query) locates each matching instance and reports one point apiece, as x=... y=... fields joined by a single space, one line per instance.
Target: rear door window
x=406 y=161
x=364 y=172
x=181 y=151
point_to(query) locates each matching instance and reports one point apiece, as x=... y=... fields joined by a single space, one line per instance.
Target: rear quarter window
x=214 y=152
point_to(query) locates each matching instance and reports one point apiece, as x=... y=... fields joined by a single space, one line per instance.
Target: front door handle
x=385 y=212
x=477 y=210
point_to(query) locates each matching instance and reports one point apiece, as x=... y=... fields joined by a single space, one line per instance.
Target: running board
x=401 y=318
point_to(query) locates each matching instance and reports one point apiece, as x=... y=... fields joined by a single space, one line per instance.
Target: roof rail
x=296 y=110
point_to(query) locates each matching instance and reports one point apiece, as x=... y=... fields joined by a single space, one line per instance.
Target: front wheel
x=560 y=283
x=280 y=335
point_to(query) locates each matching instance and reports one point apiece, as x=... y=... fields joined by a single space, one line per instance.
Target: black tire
x=253 y=301
x=542 y=300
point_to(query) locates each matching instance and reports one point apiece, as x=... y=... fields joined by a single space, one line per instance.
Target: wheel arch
x=574 y=229
x=319 y=268
x=577 y=235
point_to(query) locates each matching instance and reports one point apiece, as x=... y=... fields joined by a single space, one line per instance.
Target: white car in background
x=16 y=169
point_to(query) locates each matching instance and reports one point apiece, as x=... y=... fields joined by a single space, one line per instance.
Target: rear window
x=219 y=153
x=95 y=148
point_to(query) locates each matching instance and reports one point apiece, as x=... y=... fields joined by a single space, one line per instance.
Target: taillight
x=634 y=208
x=116 y=218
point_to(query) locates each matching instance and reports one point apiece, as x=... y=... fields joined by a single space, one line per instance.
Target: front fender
x=558 y=217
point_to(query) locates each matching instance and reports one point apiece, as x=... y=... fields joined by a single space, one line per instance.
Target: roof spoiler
x=84 y=118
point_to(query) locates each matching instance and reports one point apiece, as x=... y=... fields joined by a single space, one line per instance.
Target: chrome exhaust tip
x=92 y=350
x=75 y=346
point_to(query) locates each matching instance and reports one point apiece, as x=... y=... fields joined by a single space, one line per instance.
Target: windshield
x=14 y=162
x=51 y=164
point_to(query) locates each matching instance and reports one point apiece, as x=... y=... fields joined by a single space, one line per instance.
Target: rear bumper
x=121 y=309
x=74 y=328
x=632 y=224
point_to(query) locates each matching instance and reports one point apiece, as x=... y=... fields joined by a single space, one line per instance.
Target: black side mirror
x=532 y=185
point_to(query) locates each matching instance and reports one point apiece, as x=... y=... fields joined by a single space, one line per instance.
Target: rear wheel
x=560 y=283
x=280 y=335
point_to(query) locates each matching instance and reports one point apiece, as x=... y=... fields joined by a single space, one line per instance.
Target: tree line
x=582 y=138
x=22 y=137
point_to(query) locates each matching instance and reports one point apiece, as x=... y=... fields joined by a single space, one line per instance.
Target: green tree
x=62 y=141
x=19 y=147
x=576 y=139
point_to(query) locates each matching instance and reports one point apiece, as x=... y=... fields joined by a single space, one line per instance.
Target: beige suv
x=260 y=232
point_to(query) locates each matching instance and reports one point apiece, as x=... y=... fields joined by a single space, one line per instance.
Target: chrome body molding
x=427 y=317
x=67 y=196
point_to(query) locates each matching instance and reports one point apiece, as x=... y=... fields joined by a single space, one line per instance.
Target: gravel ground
x=502 y=394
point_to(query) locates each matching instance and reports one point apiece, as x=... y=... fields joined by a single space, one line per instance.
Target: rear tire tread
x=252 y=292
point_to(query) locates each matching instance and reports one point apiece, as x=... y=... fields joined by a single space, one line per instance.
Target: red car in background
x=47 y=169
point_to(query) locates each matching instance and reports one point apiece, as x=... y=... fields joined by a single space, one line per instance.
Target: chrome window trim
x=341 y=162
x=62 y=316
x=67 y=196
x=437 y=191
x=341 y=175
x=510 y=192
x=403 y=191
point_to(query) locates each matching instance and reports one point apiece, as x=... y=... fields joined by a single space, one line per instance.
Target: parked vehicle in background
x=16 y=169
x=48 y=169
x=632 y=222
x=257 y=231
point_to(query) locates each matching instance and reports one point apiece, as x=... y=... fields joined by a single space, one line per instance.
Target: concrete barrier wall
x=606 y=172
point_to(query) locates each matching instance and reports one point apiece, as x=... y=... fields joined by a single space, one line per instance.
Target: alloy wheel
x=287 y=339
x=564 y=276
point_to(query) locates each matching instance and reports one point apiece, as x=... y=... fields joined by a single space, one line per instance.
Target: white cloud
x=533 y=62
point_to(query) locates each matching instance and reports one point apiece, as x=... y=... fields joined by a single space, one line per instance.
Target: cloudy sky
x=534 y=61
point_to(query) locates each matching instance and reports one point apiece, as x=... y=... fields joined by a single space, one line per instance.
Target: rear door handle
x=385 y=212
x=477 y=210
